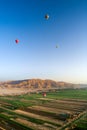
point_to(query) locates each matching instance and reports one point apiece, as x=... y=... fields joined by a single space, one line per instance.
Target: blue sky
x=36 y=55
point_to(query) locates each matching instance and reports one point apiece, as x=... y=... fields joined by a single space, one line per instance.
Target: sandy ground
x=12 y=91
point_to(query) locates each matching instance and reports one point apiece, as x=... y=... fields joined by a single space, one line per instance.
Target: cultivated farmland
x=60 y=110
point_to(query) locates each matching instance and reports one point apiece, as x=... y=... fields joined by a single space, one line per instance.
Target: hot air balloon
x=17 y=41
x=46 y=16
x=56 y=46
x=44 y=94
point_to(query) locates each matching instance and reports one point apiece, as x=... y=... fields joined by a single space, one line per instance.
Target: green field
x=50 y=112
x=62 y=94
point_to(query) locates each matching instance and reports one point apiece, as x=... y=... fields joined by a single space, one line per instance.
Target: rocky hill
x=37 y=84
x=32 y=86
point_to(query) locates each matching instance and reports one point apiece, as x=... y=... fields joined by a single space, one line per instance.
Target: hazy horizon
x=36 y=55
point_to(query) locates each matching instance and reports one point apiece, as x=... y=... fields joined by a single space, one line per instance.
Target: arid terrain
x=33 y=85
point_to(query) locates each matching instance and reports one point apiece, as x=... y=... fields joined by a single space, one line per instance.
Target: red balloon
x=17 y=41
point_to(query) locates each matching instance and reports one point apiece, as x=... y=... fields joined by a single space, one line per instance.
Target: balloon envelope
x=56 y=46
x=47 y=16
x=17 y=41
